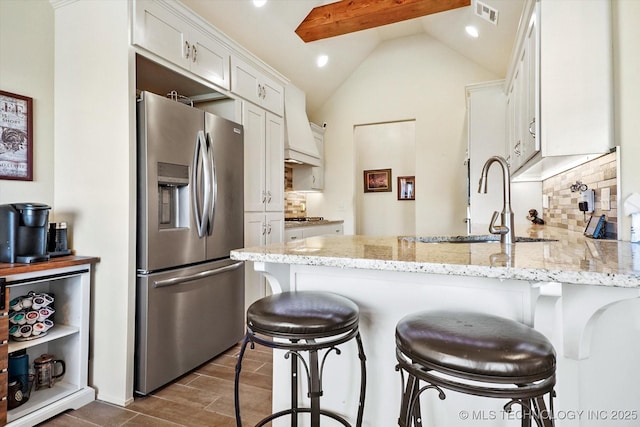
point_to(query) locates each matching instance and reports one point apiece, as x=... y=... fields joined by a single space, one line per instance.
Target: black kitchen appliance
x=58 y=240
x=23 y=232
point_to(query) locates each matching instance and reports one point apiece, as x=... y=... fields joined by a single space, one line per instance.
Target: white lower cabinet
x=260 y=229
x=299 y=233
x=67 y=340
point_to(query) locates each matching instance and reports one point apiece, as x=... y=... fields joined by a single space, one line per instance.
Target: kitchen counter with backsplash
x=561 y=287
x=572 y=258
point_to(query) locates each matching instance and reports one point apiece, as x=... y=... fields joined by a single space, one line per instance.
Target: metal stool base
x=313 y=372
x=530 y=396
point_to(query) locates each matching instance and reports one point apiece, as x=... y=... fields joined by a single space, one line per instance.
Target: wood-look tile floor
x=203 y=397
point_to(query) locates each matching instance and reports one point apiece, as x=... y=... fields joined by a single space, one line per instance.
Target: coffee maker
x=23 y=232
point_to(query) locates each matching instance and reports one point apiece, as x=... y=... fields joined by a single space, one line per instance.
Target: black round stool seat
x=478 y=345
x=302 y=314
x=477 y=354
x=309 y=322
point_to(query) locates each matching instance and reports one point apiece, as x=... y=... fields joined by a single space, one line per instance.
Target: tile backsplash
x=295 y=204
x=597 y=174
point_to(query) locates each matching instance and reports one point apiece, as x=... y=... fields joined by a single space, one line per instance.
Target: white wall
x=26 y=68
x=409 y=78
x=95 y=174
x=385 y=146
x=88 y=175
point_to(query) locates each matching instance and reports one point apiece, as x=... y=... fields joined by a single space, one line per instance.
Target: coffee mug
x=19 y=369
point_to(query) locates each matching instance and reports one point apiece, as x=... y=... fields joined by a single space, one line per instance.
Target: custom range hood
x=299 y=145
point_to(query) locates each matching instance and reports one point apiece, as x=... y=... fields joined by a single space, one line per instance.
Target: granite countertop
x=297 y=224
x=572 y=258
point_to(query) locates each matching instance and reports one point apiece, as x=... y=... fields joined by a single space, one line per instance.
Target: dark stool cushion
x=302 y=314
x=476 y=344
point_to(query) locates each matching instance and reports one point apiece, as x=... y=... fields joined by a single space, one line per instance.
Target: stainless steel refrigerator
x=190 y=294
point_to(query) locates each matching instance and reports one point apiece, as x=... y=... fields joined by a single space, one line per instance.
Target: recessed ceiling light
x=472 y=31
x=259 y=3
x=322 y=60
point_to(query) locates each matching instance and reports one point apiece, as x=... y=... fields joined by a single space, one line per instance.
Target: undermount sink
x=481 y=238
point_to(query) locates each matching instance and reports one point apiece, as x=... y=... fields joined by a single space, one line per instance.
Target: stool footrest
x=296 y=411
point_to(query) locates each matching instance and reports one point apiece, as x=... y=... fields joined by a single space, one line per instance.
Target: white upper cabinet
x=254 y=86
x=522 y=101
x=560 y=91
x=576 y=74
x=161 y=28
x=263 y=160
x=311 y=178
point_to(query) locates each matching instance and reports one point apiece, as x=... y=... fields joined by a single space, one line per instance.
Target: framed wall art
x=377 y=180
x=406 y=188
x=16 y=137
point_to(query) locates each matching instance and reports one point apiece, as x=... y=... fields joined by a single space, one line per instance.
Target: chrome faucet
x=505 y=230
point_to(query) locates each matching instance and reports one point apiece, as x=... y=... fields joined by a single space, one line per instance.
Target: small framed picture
x=406 y=188
x=16 y=137
x=377 y=180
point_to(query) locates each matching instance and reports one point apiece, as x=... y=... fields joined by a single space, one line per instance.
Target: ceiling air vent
x=487 y=12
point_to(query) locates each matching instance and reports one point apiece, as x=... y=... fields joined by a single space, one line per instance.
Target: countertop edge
x=59 y=262
x=300 y=224
x=496 y=272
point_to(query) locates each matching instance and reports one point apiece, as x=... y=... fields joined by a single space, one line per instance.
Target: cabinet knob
x=269 y=196
x=194 y=53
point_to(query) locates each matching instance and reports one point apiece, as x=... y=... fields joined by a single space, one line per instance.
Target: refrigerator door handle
x=214 y=184
x=197 y=276
x=200 y=158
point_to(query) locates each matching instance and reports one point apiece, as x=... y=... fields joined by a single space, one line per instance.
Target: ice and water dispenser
x=173 y=195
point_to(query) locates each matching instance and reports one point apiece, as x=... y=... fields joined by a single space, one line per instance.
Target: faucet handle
x=497 y=229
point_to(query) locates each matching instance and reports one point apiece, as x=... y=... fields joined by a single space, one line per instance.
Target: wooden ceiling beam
x=348 y=16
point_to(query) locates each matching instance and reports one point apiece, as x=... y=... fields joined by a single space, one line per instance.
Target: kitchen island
x=561 y=287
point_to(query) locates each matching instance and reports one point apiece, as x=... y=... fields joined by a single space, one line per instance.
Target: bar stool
x=303 y=321
x=477 y=354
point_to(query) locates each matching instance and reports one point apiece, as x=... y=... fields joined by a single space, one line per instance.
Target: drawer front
x=3 y=411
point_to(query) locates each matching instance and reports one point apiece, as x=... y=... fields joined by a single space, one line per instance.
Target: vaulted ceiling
x=269 y=33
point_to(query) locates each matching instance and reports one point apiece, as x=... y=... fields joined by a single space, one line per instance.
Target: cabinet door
x=244 y=81
x=516 y=100
x=252 y=85
x=254 y=235
x=275 y=227
x=512 y=126
x=311 y=178
x=529 y=95
x=576 y=77
x=272 y=96
x=253 y=120
x=209 y=59
x=160 y=31
x=509 y=131
x=292 y=234
x=274 y=147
